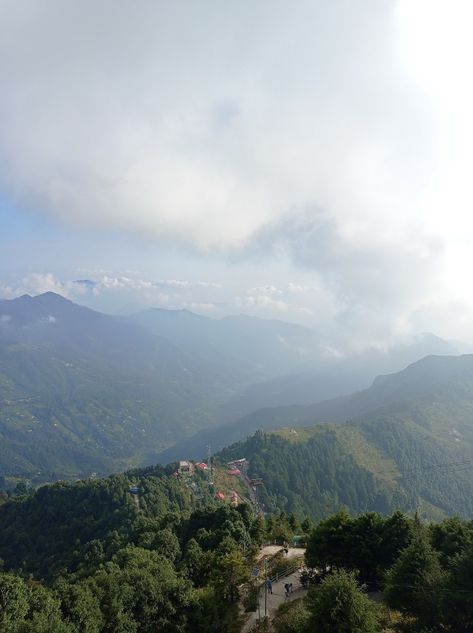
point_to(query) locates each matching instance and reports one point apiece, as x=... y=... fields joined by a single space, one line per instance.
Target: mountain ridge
x=81 y=391
x=378 y=396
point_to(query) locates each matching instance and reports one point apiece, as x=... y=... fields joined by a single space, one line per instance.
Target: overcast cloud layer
x=332 y=135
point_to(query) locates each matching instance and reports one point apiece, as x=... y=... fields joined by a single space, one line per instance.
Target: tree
x=457 y=603
x=22 y=488
x=338 y=605
x=293 y=522
x=44 y=612
x=414 y=583
x=451 y=537
x=230 y=573
x=367 y=547
x=167 y=544
x=330 y=542
x=398 y=530
x=270 y=525
x=257 y=530
x=140 y=591
x=13 y=602
x=80 y=605
x=292 y=617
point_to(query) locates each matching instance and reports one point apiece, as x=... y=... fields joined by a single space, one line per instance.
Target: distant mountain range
x=83 y=392
x=262 y=348
x=426 y=379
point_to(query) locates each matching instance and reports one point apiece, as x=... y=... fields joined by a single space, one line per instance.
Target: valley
x=82 y=392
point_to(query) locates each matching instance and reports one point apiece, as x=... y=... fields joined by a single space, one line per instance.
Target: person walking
x=269 y=585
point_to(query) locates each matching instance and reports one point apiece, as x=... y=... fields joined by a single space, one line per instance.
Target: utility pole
x=209 y=464
x=259 y=606
x=265 y=586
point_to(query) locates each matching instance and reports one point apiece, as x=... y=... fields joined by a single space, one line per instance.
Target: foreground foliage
x=92 y=557
x=89 y=558
x=424 y=572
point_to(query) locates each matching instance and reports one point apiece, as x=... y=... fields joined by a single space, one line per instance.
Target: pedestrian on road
x=269 y=585
x=286 y=590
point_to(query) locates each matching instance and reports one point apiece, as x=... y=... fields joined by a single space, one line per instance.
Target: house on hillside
x=186 y=468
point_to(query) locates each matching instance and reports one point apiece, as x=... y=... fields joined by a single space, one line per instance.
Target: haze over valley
x=87 y=392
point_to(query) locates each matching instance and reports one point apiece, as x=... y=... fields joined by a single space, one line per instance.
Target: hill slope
x=409 y=444
x=444 y=380
x=84 y=392
x=81 y=391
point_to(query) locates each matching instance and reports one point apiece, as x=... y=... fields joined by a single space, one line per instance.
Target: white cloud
x=174 y=283
x=265 y=298
x=120 y=283
x=207 y=137
x=272 y=299
x=338 y=135
x=38 y=283
x=111 y=290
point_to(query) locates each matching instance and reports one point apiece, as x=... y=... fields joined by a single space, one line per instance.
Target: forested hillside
x=144 y=551
x=152 y=552
x=408 y=457
x=81 y=391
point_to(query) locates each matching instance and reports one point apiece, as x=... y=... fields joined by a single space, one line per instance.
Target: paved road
x=276 y=598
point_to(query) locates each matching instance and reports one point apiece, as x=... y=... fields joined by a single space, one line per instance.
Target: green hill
x=408 y=445
x=81 y=391
x=84 y=392
x=441 y=384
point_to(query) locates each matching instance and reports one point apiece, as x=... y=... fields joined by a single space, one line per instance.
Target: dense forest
x=84 y=392
x=154 y=551
x=143 y=552
x=94 y=557
x=383 y=463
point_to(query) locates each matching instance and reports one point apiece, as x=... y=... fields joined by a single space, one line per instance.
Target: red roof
x=202 y=466
x=220 y=495
x=234 y=471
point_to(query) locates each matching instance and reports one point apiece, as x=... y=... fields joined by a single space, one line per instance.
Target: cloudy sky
x=309 y=161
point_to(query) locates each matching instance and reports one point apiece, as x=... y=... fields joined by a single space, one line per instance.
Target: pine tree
x=414 y=583
x=339 y=605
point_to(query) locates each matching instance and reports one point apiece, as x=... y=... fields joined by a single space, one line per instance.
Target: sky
x=306 y=161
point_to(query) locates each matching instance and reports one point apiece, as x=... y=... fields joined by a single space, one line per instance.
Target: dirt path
x=272 y=550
